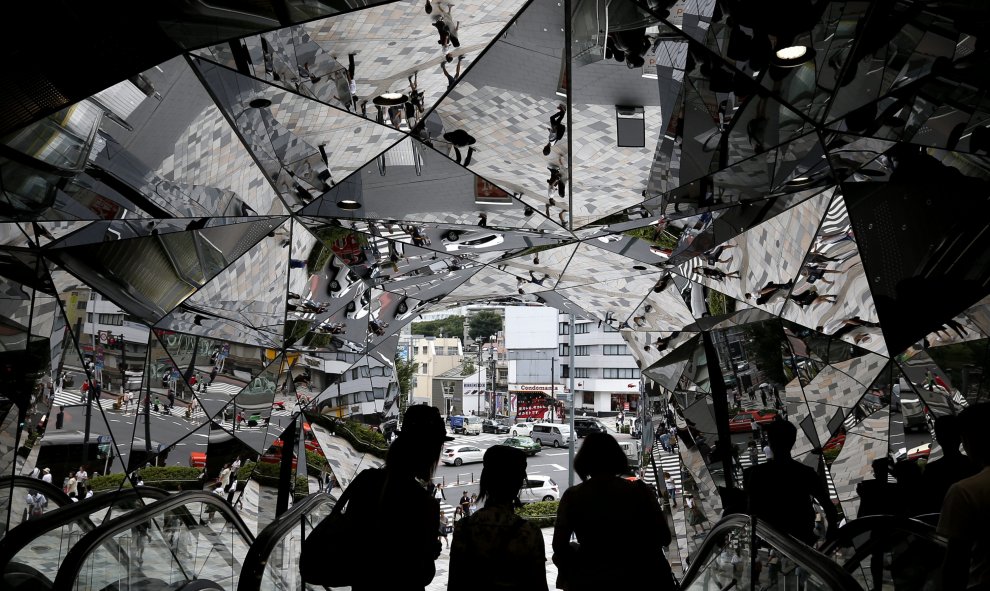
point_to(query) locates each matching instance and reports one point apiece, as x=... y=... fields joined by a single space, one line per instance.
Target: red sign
x=626 y=406
x=532 y=410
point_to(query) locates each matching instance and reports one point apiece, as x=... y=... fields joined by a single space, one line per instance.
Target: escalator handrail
x=815 y=562
x=50 y=491
x=253 y=570
x=872 y=523
x=74 y=560
x=22 y=535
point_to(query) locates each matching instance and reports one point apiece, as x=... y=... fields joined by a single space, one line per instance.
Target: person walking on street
x=465 y=504
x=668 y=482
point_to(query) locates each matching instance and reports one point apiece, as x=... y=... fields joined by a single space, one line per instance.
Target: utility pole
x=570 y=413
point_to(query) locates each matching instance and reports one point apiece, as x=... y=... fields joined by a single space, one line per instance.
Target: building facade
x=606 y=378
x=432 y=356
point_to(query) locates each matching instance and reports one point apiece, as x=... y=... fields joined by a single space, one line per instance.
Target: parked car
x=539 y=488
x=490 y=426
x=586 y=425
x=741 y=422
x=454 y=240
x=555 y=434
x=915 y=414
x=461 y=454
x=467 y=425
x=522 y=429
x=524 y=443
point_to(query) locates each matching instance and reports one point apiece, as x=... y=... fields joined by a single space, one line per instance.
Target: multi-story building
x=432 y=356
x=606 y=379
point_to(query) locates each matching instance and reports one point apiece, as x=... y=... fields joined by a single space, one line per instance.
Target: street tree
x=483 y=324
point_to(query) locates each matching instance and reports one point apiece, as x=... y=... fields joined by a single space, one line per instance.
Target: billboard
x=530 y=327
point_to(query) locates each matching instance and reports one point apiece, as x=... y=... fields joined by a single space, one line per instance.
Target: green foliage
x=830 y=454
x=767 y=338
x=717 y=303
x=109 y=482
x=483 y=324
x=301 y=488
x=543 y=513
x=468 y=367
x=405 y=369
x=666 y=239
x=361 y=438
x=364 y=434
x=314 y=461
x=167 y=477
x=451 y=326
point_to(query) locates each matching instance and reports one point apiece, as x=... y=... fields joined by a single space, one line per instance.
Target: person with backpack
x=36 y=503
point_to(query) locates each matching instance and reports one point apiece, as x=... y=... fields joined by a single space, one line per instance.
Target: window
x=615 y=350
x=564 y=371
x=89 y=317
x=379 y=393
x=610 y=328
x=564 y=349
x=451 y=350
x=112 y=319
x=81 y=305
x=365 y=371
x=582 y=328
x=582 y=372
x=620 y=373
x=354 y=373
x=589 y=398
x=426 y=350
x=582 y=350
x=564 y=328
x=425 y=366
x=378 y=371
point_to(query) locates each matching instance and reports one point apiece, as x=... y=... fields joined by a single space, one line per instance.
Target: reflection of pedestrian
x=461 y=139
x=451 y=80
x=60 y=417
x=557 y=129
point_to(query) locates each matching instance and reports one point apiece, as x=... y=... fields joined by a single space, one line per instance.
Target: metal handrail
x=48 y=489
x=27 y=532
x=76 y=558
x=253 y=570
x=833 y=576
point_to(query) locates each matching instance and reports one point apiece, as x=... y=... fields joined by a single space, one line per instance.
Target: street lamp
x=493 y=354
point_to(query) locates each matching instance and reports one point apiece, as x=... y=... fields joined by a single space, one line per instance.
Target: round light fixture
x=792 y=56
x=260 y=103
x=348 y=204
x=390 y=99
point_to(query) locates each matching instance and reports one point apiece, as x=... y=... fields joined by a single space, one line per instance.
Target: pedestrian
x=439 y=494
x=964 y=510
x=82 y=477
x=496 y=534
x=394 y=498
x=695 y=515
x=668 y=482
x=474 y=504
x=445 y=529
x=60 y=418
x=451 y=80
x=459 y=138
x=465 y=504
x=929 y=380
x=557 y=129
x=71 y=487
x=46 y=475
x=788 y=509
x=36 y=473
x=754 y=453
x=587 y=510
x=36 y=503
x=754 y=427
x=83 y=391
x=763 y=397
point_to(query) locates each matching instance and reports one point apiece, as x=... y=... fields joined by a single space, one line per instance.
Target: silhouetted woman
x=495 y=535
x=588 y=510
x=396 y=500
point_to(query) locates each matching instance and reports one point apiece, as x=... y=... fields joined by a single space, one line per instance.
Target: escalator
x=190 y=538
x=13 y=499
x=39 y=545
x=734 y=556
x=273 y=561
x=888 y=552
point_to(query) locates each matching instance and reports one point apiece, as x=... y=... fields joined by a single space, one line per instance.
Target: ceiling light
x=348 y=204
x=793 y=52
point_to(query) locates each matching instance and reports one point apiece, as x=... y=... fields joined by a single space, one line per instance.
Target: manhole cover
x=41 y=548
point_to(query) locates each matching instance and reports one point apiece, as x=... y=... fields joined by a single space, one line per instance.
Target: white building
x=606 y=379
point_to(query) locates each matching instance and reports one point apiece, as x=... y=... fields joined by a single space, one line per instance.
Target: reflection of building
x=456 y=393
x=433 y=356
x=531 y=338
x=606 y=379
x=99 y=324
x=349 y=385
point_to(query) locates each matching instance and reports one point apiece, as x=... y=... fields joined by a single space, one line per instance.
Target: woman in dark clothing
x=395 y=499
x=809 y=297
x=588 y=510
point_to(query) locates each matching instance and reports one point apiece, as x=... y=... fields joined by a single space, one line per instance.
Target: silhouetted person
x=909 y=487
x=394 y=499
x=951 y=468
x=589 y=510
x=965 y=518
x=60 y=417
x=877 y=496
x=788 y=508
x=495 y=535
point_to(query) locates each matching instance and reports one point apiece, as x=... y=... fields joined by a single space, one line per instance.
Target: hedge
x=167 y=477
x=543 y=513
x=360 y=437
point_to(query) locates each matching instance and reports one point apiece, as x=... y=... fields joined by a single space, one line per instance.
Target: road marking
x=557 y=454
x=556 y=467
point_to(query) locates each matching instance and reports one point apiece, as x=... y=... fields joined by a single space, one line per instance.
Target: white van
x=472 y=425
x=633 y=451
x=555 y=434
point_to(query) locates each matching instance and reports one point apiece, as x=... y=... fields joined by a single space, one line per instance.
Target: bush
x=361 y=438
x=166 y=477
x=315 y=462
x=543 y=513
x=109 y=482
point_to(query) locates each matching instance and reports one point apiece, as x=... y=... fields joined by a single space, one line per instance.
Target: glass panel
x=728 y=564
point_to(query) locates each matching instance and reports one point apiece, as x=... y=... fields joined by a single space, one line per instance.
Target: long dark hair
x=600 y=455
x=413 y=456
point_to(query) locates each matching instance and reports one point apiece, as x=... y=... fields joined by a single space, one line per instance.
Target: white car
x=461 y=454
x=521 y=429
x=539 y=488
x=610 y=238
x=454 y=240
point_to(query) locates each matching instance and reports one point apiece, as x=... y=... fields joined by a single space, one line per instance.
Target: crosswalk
x=215 y=391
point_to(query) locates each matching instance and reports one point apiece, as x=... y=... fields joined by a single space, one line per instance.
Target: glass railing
x=14 y=491
x=186 y=537
x=734 y=556
x=273 y=560
x=888 y=552
x=42 y=543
